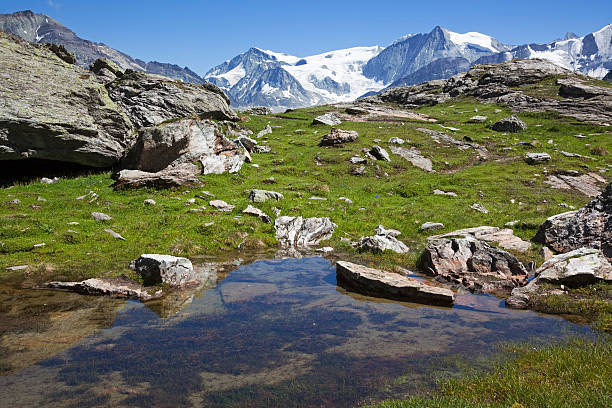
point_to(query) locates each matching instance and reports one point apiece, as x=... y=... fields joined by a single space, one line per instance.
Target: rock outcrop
x=113 y=287
x=389 y=285
x=164 y=269
x=473 y=264
x=53 y=110
x=537 y=158
x=589 y=227
x=301 y=232
x=574 y=269
x=501 y=83
x=150 y=99
x=414 y=157
x=588 y=184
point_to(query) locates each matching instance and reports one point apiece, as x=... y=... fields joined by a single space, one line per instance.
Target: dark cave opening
x=24 y=171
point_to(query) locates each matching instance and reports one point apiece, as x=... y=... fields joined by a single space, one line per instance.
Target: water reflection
x=274 y=333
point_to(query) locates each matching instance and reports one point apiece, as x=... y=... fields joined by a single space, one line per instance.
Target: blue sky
x=202 y=34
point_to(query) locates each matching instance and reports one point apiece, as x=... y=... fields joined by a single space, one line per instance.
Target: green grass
x=574 y=374
x=394 y=194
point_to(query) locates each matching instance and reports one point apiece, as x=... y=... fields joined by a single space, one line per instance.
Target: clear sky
x=202 y=34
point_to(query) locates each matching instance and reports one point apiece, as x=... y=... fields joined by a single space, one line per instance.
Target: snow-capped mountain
x=262 y=77
x=407 y=56
x=590 y=55
x=345 y=75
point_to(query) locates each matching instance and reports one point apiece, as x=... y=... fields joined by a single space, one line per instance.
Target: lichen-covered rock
x=53 y=110
x=589 y=227
x=301 y=232
x=167 y=269
x=574 y=269
x=150 y=99
x=389 y=285
x=474 y=264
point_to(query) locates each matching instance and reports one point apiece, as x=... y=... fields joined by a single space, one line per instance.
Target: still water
x=275 y=333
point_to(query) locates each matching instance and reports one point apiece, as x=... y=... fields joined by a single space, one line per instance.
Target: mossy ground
x=573 y=374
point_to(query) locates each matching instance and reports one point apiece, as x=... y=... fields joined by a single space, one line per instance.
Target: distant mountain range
x=280 y=81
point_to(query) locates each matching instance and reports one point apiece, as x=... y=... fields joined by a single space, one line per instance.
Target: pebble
x=149 y=201
x=98 y=216
x=114 y=234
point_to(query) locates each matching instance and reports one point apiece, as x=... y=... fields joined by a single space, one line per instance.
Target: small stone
x=478 y=119
x=46 y=180
x=380 y=153
x=396 y=140
x=432 y=226
x=317 y=198
x=325 y=250
x=359 y=171
x=479 y=208
x=338 y=136
x=446 y=193
x=221 y=205
x=535 y=158
x=73 y=223
x=17 y=268
x=512 y=223
x=190 y=201
x=260 y=196
x=167 y=269
x=98 y=216
x=42 y=244
x=511 y=124
x=346 y=200
x=14 y=201
x=149 y=201
x=266 y=131
x=250 y=210
x=113 y=234
x=358 y=160
x=41 y=199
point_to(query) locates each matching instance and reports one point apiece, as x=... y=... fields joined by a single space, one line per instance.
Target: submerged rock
x=473 y=264
x=574 y=269
x=389 y=285
x=302 y=232
x=590 y=227
x=164 y=269
x=114 y=287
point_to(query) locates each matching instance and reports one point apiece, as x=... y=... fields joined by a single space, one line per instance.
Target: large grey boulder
x=184 y=141
x=576 y=268
x=113 y=287
x=389 y=285
x=511 y=124
x=150 y=99
x=338 y=136
x=164 y=269
x=383 y=240
x=589 y=227
x=301 y=232
x=53 y=110
x=473 y=264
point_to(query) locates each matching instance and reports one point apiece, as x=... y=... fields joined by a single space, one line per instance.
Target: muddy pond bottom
x=275 y=333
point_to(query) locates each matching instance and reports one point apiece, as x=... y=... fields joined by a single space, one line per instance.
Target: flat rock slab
x=250 y=210
x=181 y=175
x=413 y=156
x=167 y=269
x=330 y=119
x=441 y=137
x=535 y=158
x=503 y=238
x=221 y=205
x=588 y=184
x=119 y=288
x=389 y=285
